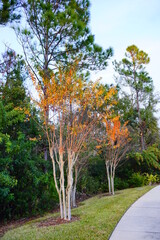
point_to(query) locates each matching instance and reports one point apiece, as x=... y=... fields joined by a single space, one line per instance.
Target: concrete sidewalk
x=142 y=219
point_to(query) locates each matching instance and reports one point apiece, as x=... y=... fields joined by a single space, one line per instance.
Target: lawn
x=98 y=217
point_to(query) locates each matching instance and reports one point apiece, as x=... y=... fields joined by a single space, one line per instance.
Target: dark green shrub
x=136 y=180
x=120 y=183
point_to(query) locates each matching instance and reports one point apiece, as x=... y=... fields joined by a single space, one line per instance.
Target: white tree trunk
x=55 y=181
x=112 y=184
x=61 y=206
x=69 y=191
x=73 y=198
x=62 y=188
x=112 y=178
x=108 y=176
x=69 y=184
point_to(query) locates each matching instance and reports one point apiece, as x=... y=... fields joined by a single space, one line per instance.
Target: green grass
x=98 y=217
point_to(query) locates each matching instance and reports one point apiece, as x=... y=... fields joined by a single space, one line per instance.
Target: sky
x=119 y=24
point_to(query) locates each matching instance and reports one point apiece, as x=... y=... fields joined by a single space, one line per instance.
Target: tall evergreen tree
x=58 y=31
x=133 y=75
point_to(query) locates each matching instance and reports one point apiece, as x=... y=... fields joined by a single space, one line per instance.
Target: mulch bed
x=56 y=221
x=104 y=195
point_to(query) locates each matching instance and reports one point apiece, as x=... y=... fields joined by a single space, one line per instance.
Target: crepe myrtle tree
x=115 y=144
x=81 y=163
x=58 y=32
x=73 y=112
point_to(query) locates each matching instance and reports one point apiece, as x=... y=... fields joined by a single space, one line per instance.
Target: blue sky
x=120 y=23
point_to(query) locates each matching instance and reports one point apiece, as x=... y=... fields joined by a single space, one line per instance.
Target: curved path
x=142 y=219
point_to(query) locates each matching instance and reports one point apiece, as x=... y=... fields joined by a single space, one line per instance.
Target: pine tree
x=133 y=75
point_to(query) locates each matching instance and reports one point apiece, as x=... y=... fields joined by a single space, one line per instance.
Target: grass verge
x=98 y=217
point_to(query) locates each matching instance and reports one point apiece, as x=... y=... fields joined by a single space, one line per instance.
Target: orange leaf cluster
x=117 y=134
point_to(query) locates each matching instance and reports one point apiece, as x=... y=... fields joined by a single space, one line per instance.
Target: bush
x=120 y=183
x=150 y=179
x=89 y=185
x=136 y=180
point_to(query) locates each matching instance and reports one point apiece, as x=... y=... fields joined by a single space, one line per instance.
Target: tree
x=81 y=163
x=58 y=32
x=21 y=163
x=8 y=11
x=115 y=145
x=132 y=74
x=73 y=111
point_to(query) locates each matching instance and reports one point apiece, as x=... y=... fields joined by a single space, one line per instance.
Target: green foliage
x=137 y=103
x=8 y=11
x=132 y=70
x=149 y=157
x=26 y=182
x=7 y=182
x=59 y=33
x=151 y=179
x=136 y=180
x=93 y=178
x=25 y=188
x=121 y=183
x=2 y=116
x=90 y=185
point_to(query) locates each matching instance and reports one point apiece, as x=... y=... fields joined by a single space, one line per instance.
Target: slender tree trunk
x=55 y=181
x=74 y=197
x=45 y=69
x=140 y=123
x=74 y=188
x=108 y=176
x=139 y=114
x=45 y=158
x=112 y=184
x=69 y=190
x=62 y=188
x=69 y=185
x=61 y=205
x=112 y=179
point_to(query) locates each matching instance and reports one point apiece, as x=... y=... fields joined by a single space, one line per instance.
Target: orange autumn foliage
x=117 y=134
x=70 y=109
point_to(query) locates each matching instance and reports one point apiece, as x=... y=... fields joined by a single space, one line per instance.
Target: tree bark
x=61 y=205
x=140 y=122
x=74 y=188
x=62 y=188
x=69 y=184
x=112 y=184
x=112 y=178
x=55 y=180
x=69 y=190
x=108 y=176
